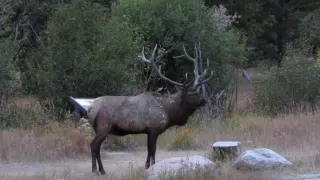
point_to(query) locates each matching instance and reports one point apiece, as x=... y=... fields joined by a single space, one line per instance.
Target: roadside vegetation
x=52 y=49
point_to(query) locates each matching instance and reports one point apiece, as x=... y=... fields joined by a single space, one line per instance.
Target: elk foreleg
x=152 y=145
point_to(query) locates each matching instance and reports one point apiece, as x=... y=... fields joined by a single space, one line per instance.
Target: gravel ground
x=115 y=163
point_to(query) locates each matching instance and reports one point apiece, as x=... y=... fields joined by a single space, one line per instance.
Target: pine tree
x=269 y=24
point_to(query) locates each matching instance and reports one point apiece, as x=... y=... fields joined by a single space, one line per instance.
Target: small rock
x=260 y=159
x=83 y=121
x=178 y=164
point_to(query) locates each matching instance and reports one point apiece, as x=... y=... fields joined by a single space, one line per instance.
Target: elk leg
x=95 y=152
x=153 y=148
x=149 y=152
x=152 y=141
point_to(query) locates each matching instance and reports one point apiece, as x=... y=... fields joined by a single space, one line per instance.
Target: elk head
x=189 y=93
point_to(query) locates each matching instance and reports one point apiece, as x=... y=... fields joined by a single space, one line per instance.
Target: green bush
x=24 y=22
x=84 y=54
x=9 y=75
x=172 y=23
x=21 y=112
x=292 y=88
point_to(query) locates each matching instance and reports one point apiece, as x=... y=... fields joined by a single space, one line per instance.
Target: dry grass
x=294 y=137
x=51 y=142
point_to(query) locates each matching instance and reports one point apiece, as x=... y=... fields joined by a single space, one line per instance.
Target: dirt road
x=115 y=163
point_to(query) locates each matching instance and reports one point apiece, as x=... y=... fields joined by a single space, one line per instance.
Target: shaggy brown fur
x=147 y=113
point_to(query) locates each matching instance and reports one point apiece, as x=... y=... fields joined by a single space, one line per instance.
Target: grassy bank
x=294 y=137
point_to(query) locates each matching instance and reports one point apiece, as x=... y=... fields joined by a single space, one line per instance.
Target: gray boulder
x=172 y=166
x=260 y=159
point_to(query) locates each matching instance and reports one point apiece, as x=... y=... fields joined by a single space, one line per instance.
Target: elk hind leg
x=95 y=151
x=93 y=154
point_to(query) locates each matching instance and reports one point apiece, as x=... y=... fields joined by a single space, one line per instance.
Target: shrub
x=237 y=123
x=83 y=54
x=292 y=88
x=22 y=112
x=53 y=141
x=183 y=140
x=23 y=21
x=116 y=143
x=9 y=75
x=171 y=23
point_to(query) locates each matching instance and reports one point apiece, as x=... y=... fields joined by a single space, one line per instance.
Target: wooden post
x=226 y=150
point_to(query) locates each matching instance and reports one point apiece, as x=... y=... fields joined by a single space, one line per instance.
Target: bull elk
x=147 y=113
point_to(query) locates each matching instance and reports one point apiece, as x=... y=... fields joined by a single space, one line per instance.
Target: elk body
x=147 y=113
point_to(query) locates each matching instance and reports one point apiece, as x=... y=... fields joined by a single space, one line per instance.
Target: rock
x=83 y=121
x=260 y=159
x=183 y=165
x=226 y=150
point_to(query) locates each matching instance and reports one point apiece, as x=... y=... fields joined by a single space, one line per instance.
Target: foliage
x=23 y=21
x=268 y=24
x=9 y=76
x=116 y=143
x=170 y=24
x=10 y=117
x=183 y=140
x=237 y=123
x=293 y=88
x=21 y=113
x=84 y=54
x=53 y=49
x=309 y=28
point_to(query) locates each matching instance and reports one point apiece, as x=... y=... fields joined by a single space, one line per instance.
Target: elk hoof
x=102 y=172
x=147 y=165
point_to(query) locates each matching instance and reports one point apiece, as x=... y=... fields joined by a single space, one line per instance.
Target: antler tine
x=196 y=67
x=208 y=78
x=200 y=56
x=189 y=83
x=154 y=52
x=142 y=56
x=211 y=73
x=203 y=81
x=200 y=77
x=197 y=61
x=154 y=66
x=185 y=55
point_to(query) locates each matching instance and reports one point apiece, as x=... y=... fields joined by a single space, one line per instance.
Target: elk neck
x=177 y=110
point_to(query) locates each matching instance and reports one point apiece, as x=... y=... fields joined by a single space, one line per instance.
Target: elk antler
x=199 y=77
x=154 y=66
